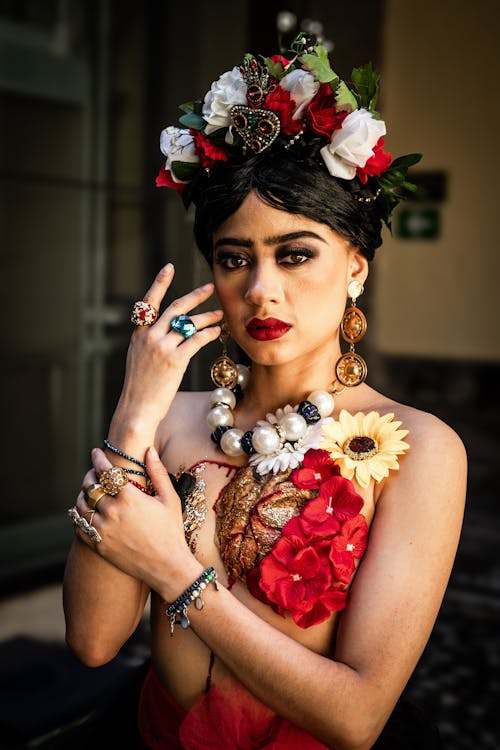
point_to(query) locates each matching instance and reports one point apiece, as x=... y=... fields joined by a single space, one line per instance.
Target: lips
x=267 y=329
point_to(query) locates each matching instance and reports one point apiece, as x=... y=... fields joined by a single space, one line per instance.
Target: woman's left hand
x=142 y=535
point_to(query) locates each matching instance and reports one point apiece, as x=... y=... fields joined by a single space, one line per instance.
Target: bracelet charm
x=177 y=611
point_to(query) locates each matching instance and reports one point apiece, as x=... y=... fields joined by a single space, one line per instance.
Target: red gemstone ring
x=143 y=314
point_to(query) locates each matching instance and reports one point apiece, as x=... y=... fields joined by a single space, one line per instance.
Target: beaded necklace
x=277 y=442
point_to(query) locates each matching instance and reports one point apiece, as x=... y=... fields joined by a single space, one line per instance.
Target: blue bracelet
x=177 y=611
x=118 y=452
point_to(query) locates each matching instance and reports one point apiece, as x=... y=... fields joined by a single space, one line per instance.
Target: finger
x=89 y=478
x=158 y=475
x=158 y=288
x=185 y=304
x=201 y=321
x=100 y=461
x=197 y=341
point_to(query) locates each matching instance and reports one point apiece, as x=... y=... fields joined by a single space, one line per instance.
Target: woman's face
x=282 y=282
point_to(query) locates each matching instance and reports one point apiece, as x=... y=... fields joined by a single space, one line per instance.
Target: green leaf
x=406 y=161
x=190 y=120
x=344 y=98
x=185 y=170
x=366 y=80
x=275 y=69
x=195 y=107
x=318 y=64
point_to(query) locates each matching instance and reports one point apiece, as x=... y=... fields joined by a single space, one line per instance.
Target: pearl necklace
x=279 y=441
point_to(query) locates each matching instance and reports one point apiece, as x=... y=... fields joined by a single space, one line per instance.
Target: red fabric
x=227 y=717
x=159 y=716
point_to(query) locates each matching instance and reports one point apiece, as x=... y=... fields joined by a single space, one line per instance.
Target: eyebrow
x=275 y=240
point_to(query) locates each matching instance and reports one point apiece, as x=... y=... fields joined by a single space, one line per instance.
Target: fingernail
x=169 y=267
x=153 y=453
x=207 y=286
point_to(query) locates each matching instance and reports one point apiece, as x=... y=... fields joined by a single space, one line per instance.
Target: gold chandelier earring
x=223 y=371
x=351 y=369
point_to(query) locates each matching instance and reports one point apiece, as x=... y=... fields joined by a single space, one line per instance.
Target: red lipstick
x=268 y=329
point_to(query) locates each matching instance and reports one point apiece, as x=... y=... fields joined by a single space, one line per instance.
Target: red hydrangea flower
x=294 y=572
x=317 y=467
x=347 y=546
x=296 y=576
x=376 y=164
x=314 y=521
x=207 y=151
x=165 y=179
x=341 y=497
x=308 y=570
x=333 y=600
x=321 y=115
x=282 y=104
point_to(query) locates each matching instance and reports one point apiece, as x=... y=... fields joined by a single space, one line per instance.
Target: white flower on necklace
x=289 y=455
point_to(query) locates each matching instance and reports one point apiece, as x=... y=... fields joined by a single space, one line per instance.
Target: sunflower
x=364 y=445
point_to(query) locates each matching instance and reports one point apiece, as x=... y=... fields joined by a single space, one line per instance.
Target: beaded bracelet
x=177 y=611
x=118 y=452
x=137 y=472
x=148 y=489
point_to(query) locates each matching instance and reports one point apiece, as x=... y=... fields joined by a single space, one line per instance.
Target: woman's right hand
x=157 y=357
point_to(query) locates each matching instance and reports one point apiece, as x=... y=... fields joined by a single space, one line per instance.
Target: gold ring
x=113 y=480
x=93 y=494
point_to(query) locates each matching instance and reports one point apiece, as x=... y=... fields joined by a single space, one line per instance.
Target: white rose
x=228 y=90
x=177 y=145
x=302 y=87
x=352 y=145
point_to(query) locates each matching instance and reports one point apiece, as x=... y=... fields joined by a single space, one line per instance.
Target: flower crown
x=289 y=99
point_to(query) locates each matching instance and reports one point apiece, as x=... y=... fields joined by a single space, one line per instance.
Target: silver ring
x=83 y=524
x=184 y=325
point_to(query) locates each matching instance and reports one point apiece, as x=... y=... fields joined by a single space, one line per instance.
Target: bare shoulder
x=436 y=459
x=183 y=435
x=187 y=412
x=426 y=431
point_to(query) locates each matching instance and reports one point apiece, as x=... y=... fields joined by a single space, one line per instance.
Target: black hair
x=292 y=181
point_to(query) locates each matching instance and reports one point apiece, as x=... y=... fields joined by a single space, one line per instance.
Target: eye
x=295 y=256
x=231 y=261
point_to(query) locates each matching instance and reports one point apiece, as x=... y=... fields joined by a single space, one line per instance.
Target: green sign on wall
x=418 y=223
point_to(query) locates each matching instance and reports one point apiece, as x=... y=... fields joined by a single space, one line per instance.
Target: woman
x=294 y=582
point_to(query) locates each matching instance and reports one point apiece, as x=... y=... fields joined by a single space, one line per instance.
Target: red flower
x=376 y=164
x=314 y=522
x=206 y=150
x=321 y=115
x=310 y=566
x=282 y=104
x=295 y=572
x=165 y=179
x=296 y=576
x=281 y=59
x=341 y=497
x=348 y=545
x=333 y=600
x=317 y=467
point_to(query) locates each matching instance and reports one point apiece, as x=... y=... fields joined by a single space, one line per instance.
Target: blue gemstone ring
x=184 y=325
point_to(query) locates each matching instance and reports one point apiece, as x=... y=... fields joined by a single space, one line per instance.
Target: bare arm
x=102 y=603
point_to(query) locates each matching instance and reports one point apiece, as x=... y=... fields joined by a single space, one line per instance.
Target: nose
x=264 y=285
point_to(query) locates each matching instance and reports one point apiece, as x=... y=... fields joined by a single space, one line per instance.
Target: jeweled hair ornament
x=281 y=102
